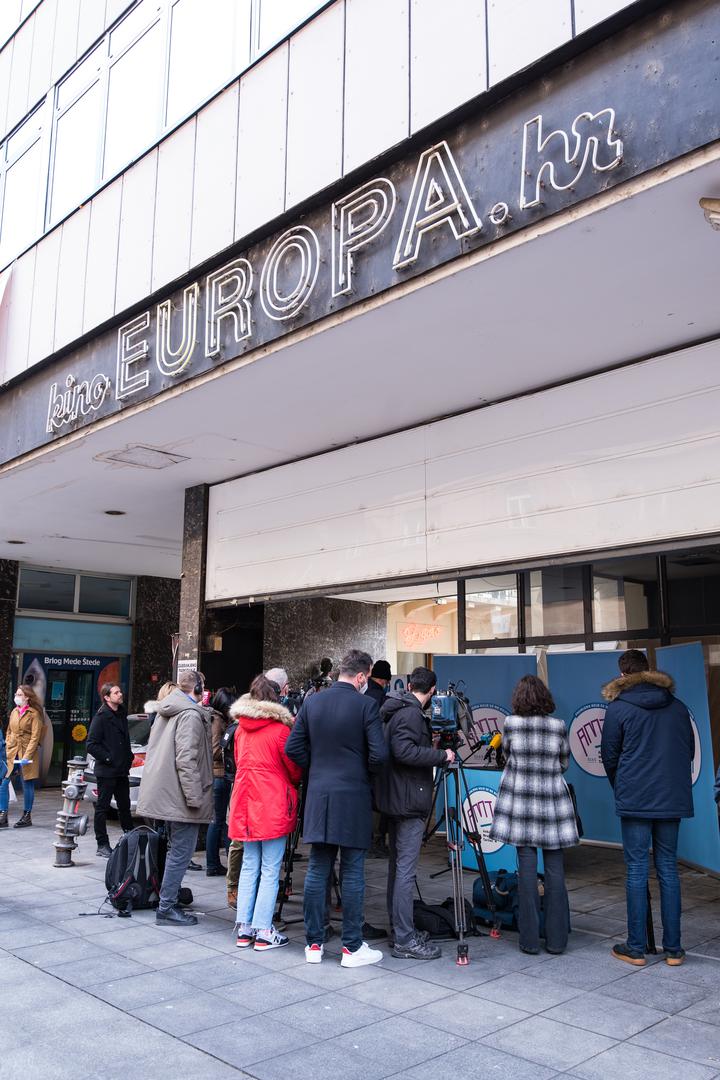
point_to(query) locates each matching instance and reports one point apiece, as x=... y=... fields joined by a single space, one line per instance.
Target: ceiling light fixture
x=115 y=513
x=146 y=457
x=16 y=541
x=711 y=209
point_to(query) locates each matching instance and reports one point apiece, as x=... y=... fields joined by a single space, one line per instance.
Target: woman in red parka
x=263 y=809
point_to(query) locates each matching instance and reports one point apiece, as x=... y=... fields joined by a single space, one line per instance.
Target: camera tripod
x=285 y=890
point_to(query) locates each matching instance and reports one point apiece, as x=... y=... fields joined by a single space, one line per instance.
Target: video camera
x=451 y=716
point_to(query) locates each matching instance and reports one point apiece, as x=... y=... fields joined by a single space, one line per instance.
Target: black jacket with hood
x=405 y=788
x=109 y=742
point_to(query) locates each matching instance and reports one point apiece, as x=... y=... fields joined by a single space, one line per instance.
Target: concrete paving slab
x=555 y=1045
x=522 y=991
x=328 y=1015
x=605 y=1015
x=476 y=1061
x=398 y=1043
x=468 y=1017
x=255 y=1039
x=689 y=1040
x=198 y=1011
x=631 y=1062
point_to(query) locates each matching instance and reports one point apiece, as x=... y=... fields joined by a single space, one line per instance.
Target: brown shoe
x=675 y=959
x=621 y=952
x=232 y=898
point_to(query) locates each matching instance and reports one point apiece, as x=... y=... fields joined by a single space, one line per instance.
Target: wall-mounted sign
x=624 y=107
x=423 y=637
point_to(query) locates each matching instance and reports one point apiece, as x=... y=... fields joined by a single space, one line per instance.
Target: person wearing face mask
x=24 y=734
x=338 y=738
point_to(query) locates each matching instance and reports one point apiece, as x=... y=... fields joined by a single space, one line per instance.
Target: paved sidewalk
x=115 y=999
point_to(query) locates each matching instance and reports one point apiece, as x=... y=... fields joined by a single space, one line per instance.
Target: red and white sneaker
x=362 y=956
x=314 y=953
x=244 y=941
x=272 y=940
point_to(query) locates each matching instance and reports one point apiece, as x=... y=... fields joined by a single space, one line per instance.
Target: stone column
x=8 y=595
x=192 y=582
x=157 y=618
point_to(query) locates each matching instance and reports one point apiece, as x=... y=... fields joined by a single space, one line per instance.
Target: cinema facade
x=454 y=388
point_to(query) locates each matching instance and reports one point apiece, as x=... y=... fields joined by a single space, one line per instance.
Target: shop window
x=104 y=596
x=202 y=51
x=694 y=588
x=491 y=607
x=554 y=601
x=625 y=594
x=278 y=18
x=46 y=590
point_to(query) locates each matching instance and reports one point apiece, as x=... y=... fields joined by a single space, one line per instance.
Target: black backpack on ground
x=134 y=870
x=438 y=920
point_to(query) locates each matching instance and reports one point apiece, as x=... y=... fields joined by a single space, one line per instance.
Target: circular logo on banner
x=488 y=718
x=585 y=733
x=478 y=811
x=697 y=760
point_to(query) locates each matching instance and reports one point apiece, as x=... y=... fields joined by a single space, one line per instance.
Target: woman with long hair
x=534 y=810
x=263 y=809
x=222 y=786
x=24 y=735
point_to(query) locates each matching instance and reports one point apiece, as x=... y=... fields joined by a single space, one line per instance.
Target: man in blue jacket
x=647 y=749
x=338 y=739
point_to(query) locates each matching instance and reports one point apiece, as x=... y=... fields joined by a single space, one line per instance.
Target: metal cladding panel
x=90 y=24
x=18 y=306
x=71 y=277
x=102 y=255
x=448 y=57
x=519 y=32
x=20 y=77
x=213 y=212
x=353 y=515
x=315 y=105
x=173 y=205
x=135 y=245
x=42 y=319
x=65 y=44
x=377 y=79
x=5 y=66
x=41 y=63
x=590 y=12
x=262 y=142
x=626 y=457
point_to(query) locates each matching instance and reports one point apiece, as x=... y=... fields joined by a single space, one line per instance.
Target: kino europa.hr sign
x=219 y=313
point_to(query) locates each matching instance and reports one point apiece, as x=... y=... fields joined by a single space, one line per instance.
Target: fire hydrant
x=70 y=823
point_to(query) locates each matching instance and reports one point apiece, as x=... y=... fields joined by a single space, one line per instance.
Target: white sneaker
x=362 y=956
x=273 y=940
x=314 y=953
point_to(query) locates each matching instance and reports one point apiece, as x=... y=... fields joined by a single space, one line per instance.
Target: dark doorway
x=241 y=657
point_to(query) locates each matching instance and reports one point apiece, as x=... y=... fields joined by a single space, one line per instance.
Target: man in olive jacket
x=404 y=793
x=177 y=784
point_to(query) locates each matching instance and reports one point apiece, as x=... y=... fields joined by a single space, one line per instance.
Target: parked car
x=139 y=725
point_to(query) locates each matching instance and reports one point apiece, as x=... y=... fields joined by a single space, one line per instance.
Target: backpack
x=134 y=870
x=504 y=888
x=438 y=920
x=228 y=749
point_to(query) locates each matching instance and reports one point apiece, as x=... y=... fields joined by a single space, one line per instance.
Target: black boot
x=177 y=916
x=3 y=819
x=24 y=821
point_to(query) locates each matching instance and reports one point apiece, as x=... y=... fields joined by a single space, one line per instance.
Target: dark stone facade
x=299 y=632
x=157 y=617
x=192 y=584
x=8 y=596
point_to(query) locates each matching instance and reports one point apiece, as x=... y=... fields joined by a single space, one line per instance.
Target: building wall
x=203 y=188
x=298 y=633
x=8 y=597
x=157 y=615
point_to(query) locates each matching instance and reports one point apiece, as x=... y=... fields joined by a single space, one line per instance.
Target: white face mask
x=363 y=689
x=19 y=700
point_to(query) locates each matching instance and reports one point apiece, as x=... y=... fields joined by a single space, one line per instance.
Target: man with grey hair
x=177 y=784
x=279 y=676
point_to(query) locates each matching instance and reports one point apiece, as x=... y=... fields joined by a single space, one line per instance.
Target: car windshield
x=139 y=727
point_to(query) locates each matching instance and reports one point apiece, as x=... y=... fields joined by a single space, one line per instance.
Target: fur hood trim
x=151 y=707
x=260 y=710
x=615 y=688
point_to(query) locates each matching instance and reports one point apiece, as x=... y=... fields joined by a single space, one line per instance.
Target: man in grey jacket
x=177 y=784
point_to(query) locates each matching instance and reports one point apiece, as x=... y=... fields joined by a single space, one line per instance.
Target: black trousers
x=107 y=786
x=555 y=906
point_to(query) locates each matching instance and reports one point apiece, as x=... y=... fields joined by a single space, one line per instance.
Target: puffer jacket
x=264 y=801
x=177 y=781
x=405 y=788
x=647 y=747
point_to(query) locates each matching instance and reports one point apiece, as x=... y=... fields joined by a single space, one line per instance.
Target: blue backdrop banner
x=576 y=680
x=699 y=840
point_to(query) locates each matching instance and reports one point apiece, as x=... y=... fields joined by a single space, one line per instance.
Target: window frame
x=76 y=614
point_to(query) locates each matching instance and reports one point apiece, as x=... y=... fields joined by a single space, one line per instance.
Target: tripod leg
x=650 y=928
x=432 y=824
x=455 y=838
x=476 y=844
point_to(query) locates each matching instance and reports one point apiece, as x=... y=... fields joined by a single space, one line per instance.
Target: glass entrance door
x=69 y=704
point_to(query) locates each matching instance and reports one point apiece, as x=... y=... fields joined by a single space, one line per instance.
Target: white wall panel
x=356 y=514
x=315 y=105
x=102 y=255
x=19 y=306
x=9 y=18
x=91 y=24
x=71 y=277
x=262 y=131
x=377 y=80
x=520 y=32
x=42 y=319
x=173 y=205
x=66 y=32
x=20 y=74
x=5 y=66
x=590 y=12
x=213 y=212
x=43 y=37
x=448 y=57
x=135 y=246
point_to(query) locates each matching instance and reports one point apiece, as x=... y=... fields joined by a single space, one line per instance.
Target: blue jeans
x=317 y=880
x=217 y=831
x=637 y=835
x=258 y=884
x=28 y=790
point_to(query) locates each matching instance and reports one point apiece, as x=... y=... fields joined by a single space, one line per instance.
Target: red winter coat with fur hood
x=264 y=801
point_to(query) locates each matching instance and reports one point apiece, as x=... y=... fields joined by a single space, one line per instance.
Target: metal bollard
x=69 y=822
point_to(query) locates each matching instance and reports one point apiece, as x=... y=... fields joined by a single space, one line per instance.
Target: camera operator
x=404 y=793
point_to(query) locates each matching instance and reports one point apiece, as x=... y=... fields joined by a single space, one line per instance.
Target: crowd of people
x=356 y=748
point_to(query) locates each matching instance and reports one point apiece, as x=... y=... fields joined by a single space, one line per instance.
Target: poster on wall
x=699 y=840
x=576 y=681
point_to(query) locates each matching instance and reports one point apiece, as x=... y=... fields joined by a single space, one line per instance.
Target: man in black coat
x=404 y=793
x=109 y=743
x=647 y=749
x=338 y=739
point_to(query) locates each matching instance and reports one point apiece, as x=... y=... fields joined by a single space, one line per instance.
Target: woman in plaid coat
x=534 y=810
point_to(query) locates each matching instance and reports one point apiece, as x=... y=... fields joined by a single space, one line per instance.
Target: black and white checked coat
x=534 y=807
